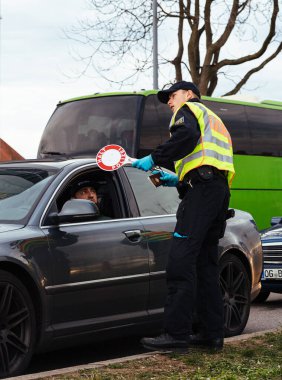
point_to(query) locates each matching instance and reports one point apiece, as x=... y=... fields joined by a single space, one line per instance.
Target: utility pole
x=155 y=45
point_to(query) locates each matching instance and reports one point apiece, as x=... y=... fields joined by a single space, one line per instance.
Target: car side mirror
x=75 y=210
x=276 y=220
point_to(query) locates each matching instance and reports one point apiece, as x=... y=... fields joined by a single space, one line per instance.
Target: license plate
x=275 y=273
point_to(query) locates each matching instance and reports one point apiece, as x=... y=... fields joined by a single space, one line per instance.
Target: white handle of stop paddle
x=130 y=160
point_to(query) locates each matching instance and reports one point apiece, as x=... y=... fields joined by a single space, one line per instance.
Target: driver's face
x=88 y=193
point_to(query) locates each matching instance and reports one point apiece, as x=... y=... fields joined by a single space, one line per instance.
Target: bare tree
x=198 y=39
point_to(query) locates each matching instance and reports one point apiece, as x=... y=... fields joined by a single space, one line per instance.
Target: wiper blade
x=54 y=153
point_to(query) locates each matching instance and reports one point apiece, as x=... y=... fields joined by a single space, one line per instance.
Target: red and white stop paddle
x=111 y=157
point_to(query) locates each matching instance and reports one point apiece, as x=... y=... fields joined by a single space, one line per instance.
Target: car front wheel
x=17 y=326
x=235 y=287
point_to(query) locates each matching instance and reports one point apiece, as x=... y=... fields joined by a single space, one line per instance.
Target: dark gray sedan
x=68 y=274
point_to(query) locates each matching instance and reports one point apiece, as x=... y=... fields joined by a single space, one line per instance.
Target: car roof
x=47 y=163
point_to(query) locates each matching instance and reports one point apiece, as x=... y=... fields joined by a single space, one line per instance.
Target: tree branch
x=262 y=50
x=193 y=46
x=177 y=60
x=229 y=27
x=253 y=71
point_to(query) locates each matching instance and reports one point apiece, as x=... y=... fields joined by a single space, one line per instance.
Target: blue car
x=271 y=278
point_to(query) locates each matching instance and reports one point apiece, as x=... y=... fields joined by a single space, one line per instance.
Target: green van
x=138 y=122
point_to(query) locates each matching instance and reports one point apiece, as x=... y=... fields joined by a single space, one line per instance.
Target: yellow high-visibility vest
x=214 y=147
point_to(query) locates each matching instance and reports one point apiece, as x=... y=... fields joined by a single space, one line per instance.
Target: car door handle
x=134 y=235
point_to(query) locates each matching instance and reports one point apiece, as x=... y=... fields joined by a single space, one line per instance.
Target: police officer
x=201 y=149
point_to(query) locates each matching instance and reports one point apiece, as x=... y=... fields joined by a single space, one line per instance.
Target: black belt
x=203 y=173
x=200 y=174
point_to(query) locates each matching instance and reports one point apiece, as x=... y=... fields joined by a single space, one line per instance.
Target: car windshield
x=19 y=192
x=83 y=127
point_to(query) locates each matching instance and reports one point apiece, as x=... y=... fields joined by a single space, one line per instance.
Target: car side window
x=106 y=196
x=151 y=200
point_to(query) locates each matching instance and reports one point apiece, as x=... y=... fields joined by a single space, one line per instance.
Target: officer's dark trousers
x=192 y=269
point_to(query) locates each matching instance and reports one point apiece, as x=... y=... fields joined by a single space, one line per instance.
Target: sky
x=37 y=69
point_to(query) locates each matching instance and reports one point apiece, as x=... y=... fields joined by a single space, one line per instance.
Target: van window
x=266 y=131
x=165 y=115
x=235 y=120
x=85 y=126
x=154 y=130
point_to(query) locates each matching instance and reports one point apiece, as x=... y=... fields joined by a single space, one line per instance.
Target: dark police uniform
x=192 y=268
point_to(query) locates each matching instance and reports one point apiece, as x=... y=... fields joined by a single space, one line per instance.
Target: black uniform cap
x=80 y=185
x=163 y=95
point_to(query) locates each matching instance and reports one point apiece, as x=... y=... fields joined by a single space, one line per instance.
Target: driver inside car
x=86 y=190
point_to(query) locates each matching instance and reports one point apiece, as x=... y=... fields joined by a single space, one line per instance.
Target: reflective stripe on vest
x=214 y=146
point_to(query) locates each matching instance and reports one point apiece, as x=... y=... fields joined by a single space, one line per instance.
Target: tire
x=262 y=296
x=235 y=287
x=17 y=326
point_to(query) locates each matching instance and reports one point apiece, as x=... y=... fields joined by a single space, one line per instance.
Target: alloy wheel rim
x=235 y=295
x=15 y=327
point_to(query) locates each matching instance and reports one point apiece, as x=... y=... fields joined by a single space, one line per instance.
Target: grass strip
x=257 y=358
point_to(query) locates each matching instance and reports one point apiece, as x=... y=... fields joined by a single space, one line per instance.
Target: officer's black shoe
x=165 y=342
x=214 y=344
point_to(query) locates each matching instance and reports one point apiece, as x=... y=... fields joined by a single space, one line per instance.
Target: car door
x=100 y=273
x=157 y=208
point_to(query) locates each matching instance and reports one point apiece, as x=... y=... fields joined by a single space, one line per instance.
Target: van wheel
x=17 y=326
x=235 y=287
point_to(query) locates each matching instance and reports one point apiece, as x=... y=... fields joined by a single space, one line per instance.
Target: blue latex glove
x=146 y=163
x=177 y=235
x=168 y=179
